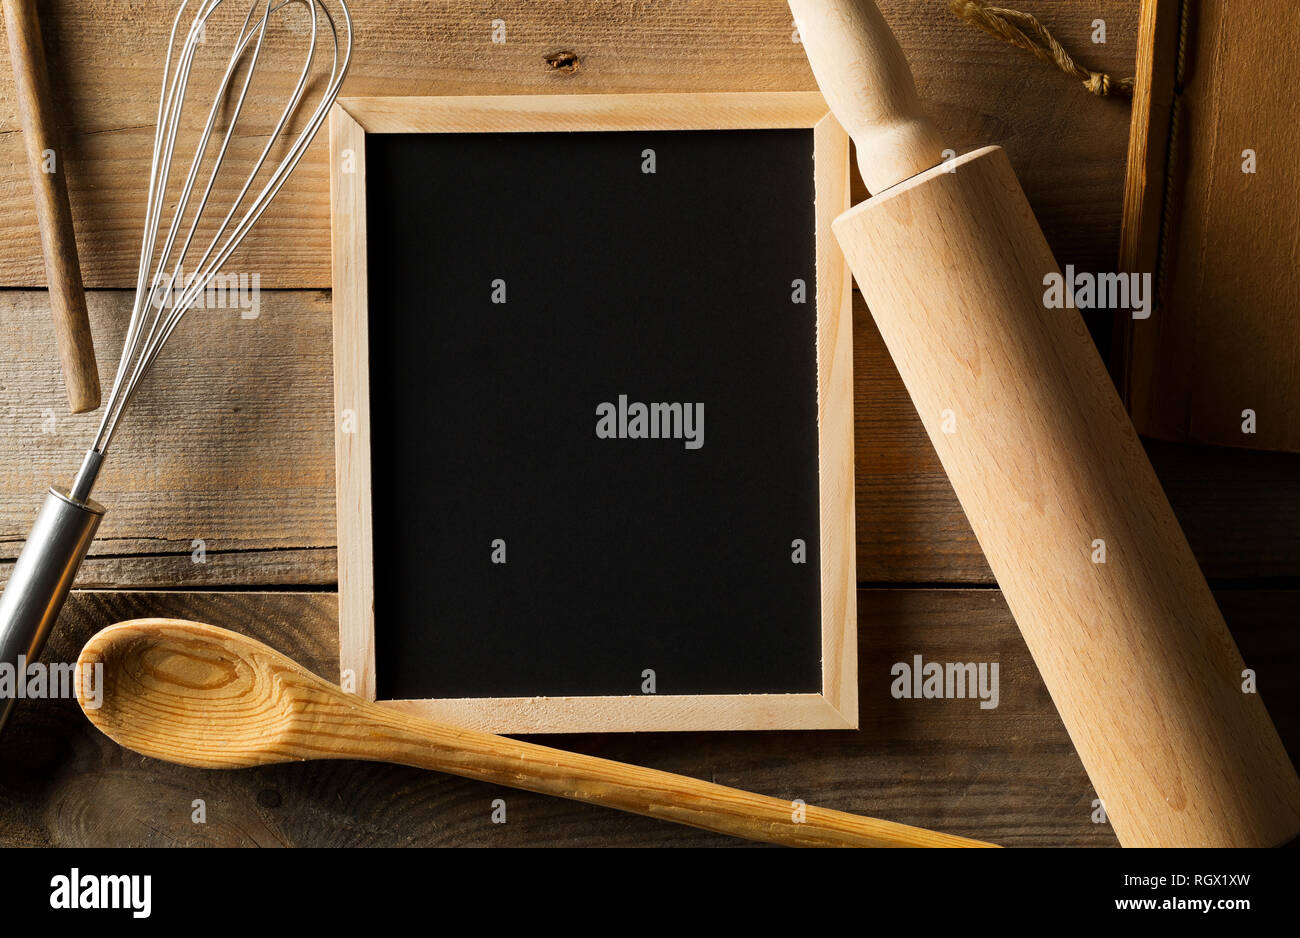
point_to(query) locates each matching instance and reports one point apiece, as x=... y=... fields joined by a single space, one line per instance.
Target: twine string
x=1023 y=31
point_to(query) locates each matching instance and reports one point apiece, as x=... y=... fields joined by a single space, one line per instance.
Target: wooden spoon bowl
x=184 y=692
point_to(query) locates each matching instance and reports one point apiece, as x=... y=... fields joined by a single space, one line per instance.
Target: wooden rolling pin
x=53 y=214
x=199 y=695
x=1046 y=462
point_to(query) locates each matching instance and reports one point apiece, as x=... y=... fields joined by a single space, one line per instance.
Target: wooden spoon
x=203 y=696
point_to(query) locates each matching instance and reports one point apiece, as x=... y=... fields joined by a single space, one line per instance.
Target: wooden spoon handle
x=204 y=696
x=391 y=736
x=53 y=213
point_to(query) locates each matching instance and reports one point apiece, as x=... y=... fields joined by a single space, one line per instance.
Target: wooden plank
x=1007 y=774
x=1235 y=273
x=1148 y=147
x=231 y=442
x=1224 y=339
x=351 y=343
x=1239 y=509
x=835 y=429
x=228 y=442
x=1144 y=177
x=585 y=112
x=106 y=62
x=297 y=567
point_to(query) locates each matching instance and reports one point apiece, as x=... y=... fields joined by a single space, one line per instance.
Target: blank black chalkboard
x=534 y=534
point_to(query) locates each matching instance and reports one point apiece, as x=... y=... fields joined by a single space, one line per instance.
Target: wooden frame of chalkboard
x=834 y=705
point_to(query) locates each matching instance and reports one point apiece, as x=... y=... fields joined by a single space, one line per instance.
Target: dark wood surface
x=230 y=443
x=106 y=56
x=1007 y=775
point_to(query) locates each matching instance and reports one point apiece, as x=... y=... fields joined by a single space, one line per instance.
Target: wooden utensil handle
x=203 y=696
x=865 y=79
x=385 y=735
x=53 y=213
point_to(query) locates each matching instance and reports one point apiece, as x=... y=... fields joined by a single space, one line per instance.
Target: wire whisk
x=188 y=224
x=164 y=293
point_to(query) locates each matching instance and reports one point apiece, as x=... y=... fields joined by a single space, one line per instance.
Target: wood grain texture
x=237 y=451
x=837 y=542
x=1148 y=155
x=1225 y=338
x=50 y=202
x=199 y=695
x=1011 y=776
x=1008 y=770
x=351 y=417
x=207 y=453
x=835 y=707
x=1007 y=775
x=108 y=54
x=861 y=70
x=1048 y=467
x=228 y=442
x=585 y=112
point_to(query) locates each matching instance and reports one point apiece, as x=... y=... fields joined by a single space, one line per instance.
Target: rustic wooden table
x=231 y=444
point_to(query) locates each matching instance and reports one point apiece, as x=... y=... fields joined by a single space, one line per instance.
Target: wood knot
x=564 y=61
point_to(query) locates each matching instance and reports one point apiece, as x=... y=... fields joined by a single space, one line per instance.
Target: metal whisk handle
x=41 y=579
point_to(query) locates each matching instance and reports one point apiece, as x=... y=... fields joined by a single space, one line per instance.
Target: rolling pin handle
x=865 y=79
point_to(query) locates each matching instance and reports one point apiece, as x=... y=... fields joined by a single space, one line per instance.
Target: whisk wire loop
x=164 y=291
